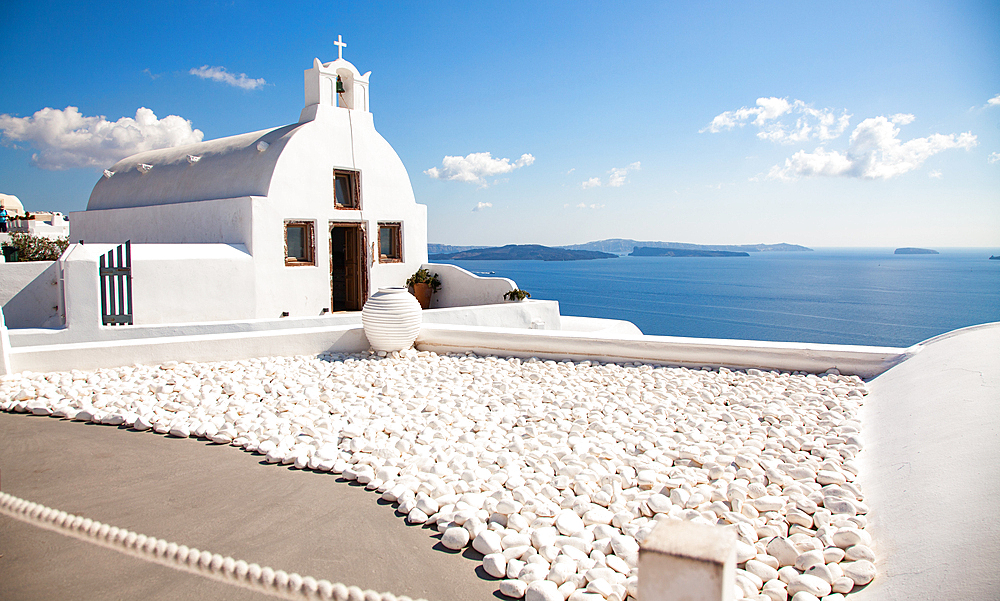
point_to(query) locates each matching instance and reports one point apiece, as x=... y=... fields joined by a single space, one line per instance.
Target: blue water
x=849 y=296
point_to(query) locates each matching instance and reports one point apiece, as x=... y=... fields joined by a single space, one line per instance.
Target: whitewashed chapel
x=299 y=220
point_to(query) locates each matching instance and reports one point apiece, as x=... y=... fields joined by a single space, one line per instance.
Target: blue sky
x=833 y=124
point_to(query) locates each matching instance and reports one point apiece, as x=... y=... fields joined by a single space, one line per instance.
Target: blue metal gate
x=116 y=286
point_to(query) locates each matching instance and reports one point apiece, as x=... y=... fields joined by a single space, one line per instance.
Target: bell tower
x=337 y=84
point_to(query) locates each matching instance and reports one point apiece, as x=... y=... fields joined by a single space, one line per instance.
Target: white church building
x=299 y=220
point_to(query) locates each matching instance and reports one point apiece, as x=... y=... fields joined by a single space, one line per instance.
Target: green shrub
x=516 y=295
x=422 y=276
x=37 y=248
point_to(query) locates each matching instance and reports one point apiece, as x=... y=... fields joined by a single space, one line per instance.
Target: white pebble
x=487 y=542
x=543 y=590
x=861 y=572
x=455 y=538
x=495 y=565
x=513 y=588
x=810 y=584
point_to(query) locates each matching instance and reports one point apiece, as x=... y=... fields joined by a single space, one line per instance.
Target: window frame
x=353 y=187
x=308 y=243
x=397 y=238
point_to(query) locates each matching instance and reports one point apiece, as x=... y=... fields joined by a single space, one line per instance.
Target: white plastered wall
x=171 y=283
x=462 y=288
x=226 y=221
x=31 y=295
x=302 y=190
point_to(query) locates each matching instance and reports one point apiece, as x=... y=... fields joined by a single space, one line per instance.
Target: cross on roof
x=340 y=47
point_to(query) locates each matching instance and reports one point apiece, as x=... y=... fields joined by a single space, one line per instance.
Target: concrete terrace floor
x=219 y=499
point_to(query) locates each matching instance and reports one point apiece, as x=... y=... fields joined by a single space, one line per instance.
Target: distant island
x=624 y=246
x=915 y=251
x=645 y=251
x=521 y=252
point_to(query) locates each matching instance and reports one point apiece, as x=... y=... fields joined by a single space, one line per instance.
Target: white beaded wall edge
x=276 y=583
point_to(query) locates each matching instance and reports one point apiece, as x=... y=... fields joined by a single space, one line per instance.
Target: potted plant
x=516 y=295
x=422 y=285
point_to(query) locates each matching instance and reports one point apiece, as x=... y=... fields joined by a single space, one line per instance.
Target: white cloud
x=874 y=152
x=616 y=178
x=993 y=158
x=571 y=171
x=482 y=205
x=67 y=139
x=584 y=205
x=935 y=174
x=220 y=74
x=476 y=167
x=995 y=101
x=774 y=118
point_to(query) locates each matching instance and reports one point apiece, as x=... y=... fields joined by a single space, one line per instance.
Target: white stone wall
x=461 y=288
x=31 y=294
x=171 y=283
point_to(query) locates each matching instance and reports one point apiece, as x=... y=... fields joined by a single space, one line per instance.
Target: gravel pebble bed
x=554 y=471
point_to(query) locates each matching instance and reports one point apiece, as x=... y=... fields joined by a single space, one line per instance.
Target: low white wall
x=863 y=361
x=533 y=314
x=602 y=328
x=31 y=294
x=171 y=283
x=42 y=337
x=461 y=288
x=211 y=347
x=178 y=283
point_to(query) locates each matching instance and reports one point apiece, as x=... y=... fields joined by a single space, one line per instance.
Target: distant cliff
x=522 y=252
x=645 y=251
x=915 y=251
x=622 y=246
x=443 y=249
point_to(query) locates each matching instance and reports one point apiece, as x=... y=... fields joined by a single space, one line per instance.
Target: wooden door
x=348 y=267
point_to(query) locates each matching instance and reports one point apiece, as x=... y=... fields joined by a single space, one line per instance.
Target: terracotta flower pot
x=423 y=293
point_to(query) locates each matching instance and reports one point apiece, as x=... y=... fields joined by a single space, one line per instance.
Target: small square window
x=346 y=193
x=390 y=243
x=299 y=243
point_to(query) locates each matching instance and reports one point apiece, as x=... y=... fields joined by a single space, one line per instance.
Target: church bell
x=340 y=85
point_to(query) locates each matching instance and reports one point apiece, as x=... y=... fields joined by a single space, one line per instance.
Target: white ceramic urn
x=391 y=318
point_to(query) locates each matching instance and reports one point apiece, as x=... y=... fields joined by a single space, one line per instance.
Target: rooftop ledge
x=863 y=361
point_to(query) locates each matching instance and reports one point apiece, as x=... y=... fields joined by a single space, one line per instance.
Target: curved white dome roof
x=224 y=168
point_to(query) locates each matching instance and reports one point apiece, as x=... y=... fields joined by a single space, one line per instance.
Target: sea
x=837 y=296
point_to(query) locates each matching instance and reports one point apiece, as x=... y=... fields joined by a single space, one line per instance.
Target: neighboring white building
x=303 y=219
x=42 y=223
x=12 y=204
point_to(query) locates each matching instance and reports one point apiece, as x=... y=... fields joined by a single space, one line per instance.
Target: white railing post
x=5 y=367
x=684 y=560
